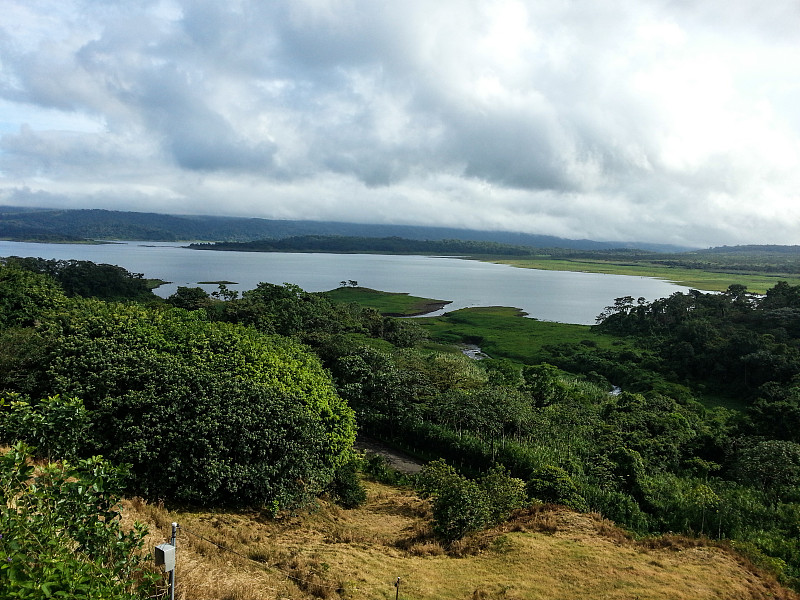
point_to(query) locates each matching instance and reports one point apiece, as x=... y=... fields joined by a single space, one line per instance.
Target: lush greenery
x=206 y=412
x=736 y=342
x=225 y=399
x=61 y=534
x=462 y=505
x=505 y=332
x=715 y=269
x=385 y=245
x=389 y=304
x=88 y=279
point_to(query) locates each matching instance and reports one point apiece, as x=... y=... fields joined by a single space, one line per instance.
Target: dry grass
x=543 y=552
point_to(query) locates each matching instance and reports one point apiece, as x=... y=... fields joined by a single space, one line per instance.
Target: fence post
x=172 y=572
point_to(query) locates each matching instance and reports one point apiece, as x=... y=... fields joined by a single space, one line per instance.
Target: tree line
x=386 y=245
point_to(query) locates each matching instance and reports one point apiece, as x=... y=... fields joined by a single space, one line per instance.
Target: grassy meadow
x=386 y=303
x=546 y=552
x=710 y=281
x=505 y=332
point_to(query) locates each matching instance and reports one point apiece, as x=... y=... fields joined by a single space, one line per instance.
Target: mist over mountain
x=33 y=224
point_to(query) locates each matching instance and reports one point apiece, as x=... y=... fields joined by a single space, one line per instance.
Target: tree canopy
x=205 y=412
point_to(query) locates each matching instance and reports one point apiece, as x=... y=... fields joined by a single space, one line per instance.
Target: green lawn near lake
x=386 y=303
x=504 y=332
x=710 y=281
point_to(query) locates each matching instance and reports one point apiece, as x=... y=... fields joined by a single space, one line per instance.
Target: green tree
x=194 y=298
x=433 y=477
x=543 y=384
x=207 y=413
x=774 y=466
x=504 y=493
x=460 y=507
x=703 y=498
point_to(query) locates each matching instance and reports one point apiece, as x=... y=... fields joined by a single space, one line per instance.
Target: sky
x=662 y=121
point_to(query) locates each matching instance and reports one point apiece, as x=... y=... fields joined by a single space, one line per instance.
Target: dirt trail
x=397 y=460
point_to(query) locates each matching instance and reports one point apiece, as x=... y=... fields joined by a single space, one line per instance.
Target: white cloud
x=639 y=120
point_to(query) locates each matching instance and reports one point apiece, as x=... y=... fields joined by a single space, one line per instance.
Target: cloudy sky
x=652 y=120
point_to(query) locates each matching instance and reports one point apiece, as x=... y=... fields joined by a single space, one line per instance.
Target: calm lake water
x=547 y=295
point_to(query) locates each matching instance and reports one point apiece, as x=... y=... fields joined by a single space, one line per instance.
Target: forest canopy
x=206 y=412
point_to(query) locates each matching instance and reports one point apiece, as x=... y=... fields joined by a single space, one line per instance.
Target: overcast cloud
x=663 y=121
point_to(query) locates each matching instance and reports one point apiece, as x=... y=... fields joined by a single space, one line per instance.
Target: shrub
x=460 y=507
x=54 y=426
x=504 y=493
x=553 y=484
x=434 y=477
x=346 y=487
x=61 y=534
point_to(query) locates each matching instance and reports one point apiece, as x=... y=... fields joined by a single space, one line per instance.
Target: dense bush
x=553 y=484
x=24 y=296
x=462 y=505
x=61 y=534
x=207 y=413
x=54 y=427
x=346 y=487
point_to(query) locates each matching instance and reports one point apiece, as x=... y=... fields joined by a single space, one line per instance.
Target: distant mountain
x=754 y=249
x=71 y=224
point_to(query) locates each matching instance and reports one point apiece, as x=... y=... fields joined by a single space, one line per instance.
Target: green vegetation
x=386 y=303
x=90 y=280
x=151 y=380
x=61 y=532
x=687 y=276
x=383 y=245
x=223 y=282
x=461 y=506
x=504 y=332
x=252 y=401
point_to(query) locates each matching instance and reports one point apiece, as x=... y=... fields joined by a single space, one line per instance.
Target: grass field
x=505 y=332
x=331 y=553
x=698 y=279
x=386 y=303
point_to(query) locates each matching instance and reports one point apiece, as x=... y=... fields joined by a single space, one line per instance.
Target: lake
x=560 y=296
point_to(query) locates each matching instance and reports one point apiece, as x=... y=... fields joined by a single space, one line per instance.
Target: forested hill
x=26 y=224
x=387 y=245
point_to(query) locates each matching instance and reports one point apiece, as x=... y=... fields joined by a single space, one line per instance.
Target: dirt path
x=397 y=460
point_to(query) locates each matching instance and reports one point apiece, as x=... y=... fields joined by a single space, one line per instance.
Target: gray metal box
x=165 y=555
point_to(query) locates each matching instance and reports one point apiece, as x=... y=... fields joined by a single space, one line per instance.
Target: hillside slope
x=549 y=553
x=44 y=224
